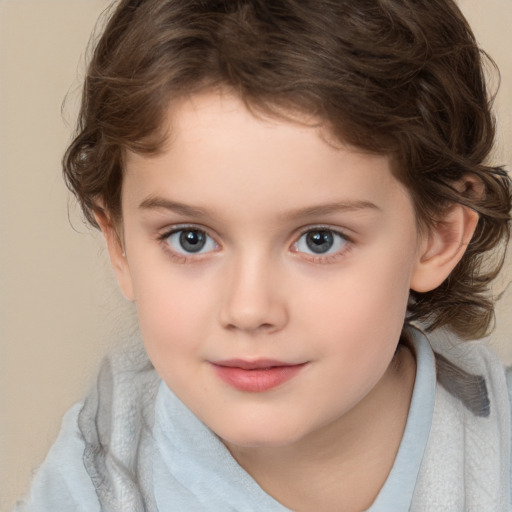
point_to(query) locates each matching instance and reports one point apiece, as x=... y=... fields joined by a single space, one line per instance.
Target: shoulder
x=471 y=372
x=62 y=482
x=470 y=432
x=473 y=357
x=103 y=442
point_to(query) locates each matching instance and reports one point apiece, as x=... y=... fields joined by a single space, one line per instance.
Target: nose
x=253 y=300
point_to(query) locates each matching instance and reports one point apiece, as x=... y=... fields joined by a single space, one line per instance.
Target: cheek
x=370 y=291
x=362 y=306
x=172 y=310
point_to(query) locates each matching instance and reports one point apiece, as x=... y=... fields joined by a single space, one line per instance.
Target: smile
x=255 y=376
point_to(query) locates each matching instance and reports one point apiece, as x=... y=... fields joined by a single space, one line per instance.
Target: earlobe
x=116 y=252
x=443 y=247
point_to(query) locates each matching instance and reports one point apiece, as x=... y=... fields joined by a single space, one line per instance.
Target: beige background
x=59 y=305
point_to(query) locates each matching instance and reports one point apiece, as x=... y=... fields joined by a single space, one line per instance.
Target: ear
x=443 y=247
x=116 y=252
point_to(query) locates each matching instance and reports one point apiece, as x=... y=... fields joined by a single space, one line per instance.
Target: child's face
x=254 y=243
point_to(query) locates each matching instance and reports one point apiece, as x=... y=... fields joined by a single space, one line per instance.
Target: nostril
x=264 y=327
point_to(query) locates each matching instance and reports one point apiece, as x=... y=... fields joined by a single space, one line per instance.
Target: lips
x=255 y=376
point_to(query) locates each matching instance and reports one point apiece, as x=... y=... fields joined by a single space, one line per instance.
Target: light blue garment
x=191 y=470
x=62 y=483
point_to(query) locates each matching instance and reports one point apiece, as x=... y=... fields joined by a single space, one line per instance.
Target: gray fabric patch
x=470 y=389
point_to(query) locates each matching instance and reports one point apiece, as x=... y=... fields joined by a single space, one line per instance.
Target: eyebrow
x=156 y=202
x=159 y=203
x=335 y=207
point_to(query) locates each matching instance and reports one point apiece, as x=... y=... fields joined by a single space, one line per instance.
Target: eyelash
x=179 y=257
x=325 y=258
x=320 y=258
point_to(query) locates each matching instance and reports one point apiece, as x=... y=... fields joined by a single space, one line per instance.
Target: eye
x=190 y=241
x=320 y=242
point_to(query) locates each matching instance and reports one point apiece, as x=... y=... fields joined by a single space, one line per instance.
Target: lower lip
x=258 y=380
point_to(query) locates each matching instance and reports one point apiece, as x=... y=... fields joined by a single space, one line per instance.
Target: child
x=283 y=188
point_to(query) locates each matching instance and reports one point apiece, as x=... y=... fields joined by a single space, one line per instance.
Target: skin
x=255 y=186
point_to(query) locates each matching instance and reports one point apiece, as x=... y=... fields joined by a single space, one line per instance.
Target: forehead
x=218 y=152
x=195 y=118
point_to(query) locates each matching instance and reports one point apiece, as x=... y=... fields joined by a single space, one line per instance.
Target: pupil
x=192 y=241
x=319 y=241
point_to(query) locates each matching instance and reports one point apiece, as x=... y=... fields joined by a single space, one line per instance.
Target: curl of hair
x=398 y=77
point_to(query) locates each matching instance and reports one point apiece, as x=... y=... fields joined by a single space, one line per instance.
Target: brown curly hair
x=396 y=77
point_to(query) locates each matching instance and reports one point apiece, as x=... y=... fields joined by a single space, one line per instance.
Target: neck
x=344 y=465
